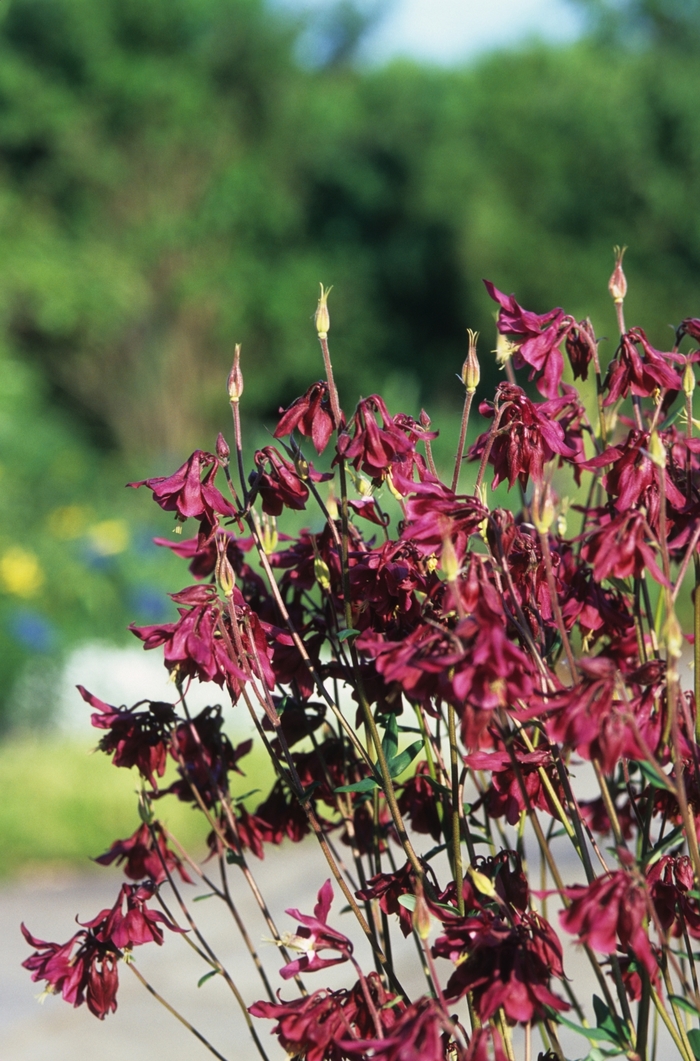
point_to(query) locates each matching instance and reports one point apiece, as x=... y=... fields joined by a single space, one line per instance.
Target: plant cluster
x=512 y=650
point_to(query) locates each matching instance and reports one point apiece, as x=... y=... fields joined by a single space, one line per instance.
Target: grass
x=62 y=805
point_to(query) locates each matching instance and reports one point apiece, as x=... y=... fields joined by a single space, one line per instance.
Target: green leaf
x=398 y=764
x=409 y=901
x=368 y=784
x=442 y=790
x=655 y=779
x=233 y=859
x=673 y=837
x=390 y=740
x=604 y=1018
x=683 y=1003
x=207 y=976
x=345 y=634
x=201 y=898
x=694 y=1040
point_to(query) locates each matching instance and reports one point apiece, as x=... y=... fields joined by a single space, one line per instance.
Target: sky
x=451 y=31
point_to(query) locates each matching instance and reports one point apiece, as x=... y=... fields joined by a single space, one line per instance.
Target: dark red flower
x=422 y=1033
x=508 y=965
x=419 y=803
x=205 y=757
x=581 y=347
x=538 y=338
x=314 y=935
x=131 y=926
x=690 y=326
x=670 y=880
x=639 y=374
x=528 y=435
x=279 y=483
x=310 y=415
x=387 y=449
x=88 y=975
x=434 y=513
x=313 y=1027
x=611 y=909
x=144 y=858
x=137 y=737
x=620 y=546
x=195 y=647
x=203 y=556
x=504 y=796
x=188 y=495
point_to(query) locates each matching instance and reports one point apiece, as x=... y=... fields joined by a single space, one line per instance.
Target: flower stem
x=468 y=399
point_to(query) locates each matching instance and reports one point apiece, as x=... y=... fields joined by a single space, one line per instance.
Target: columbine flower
x=508 y=965
x=188 y=495
x=611 y=909
x=527 y=438
x=137 y=737
x=639 y=374
x=538 y=339
x=142 y=857
x=314 y=935
x=88 y=975
x=133 y=926
x=310 y=415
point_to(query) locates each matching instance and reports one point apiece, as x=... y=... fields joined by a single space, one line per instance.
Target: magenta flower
x=310 y=415
x=529 y=436
x=313 y=1027
x=422 y=1033
x=620 y=546
x=387 y=449
x=508 y=965
x=142 y=857
x=538 y=338
x=611 y=909
x=137 y=737
x=314 y=935
x=434 y=513
x=188 y=495
x=640 y=374
x=88 y=975
x=131 y=926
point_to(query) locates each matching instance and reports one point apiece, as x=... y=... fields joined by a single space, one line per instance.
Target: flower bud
x=321 y=317
x=222 y=450
x=225 y=575
x=543 y=512
x=450 y=563
x=673 y=636
x=269 y=535
x=301 y=466
x=421 y=917
x=471 y=371
x=656 y=450
x=617 y=284
x=688 y=380
x=322 y=573
x=235 y=378
x=481 y=882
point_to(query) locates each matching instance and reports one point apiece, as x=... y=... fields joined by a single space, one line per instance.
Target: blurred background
x=178 y=175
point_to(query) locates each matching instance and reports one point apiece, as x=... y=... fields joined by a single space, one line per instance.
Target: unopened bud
x=617 y=284
x=481 y=882
x=235 y=377
x=322 y=573
x=688 y=380
x=301 y=465
x=322 y=318
x=421 y=918
x=450 y=563
x=269 y=536
x=471 y=371
x=656 y=450
x=543 y=511
x=222 y=450
x=332 y=503
x=673 y=636
x=225 y=575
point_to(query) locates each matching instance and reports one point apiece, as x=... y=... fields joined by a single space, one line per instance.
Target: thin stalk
x=684 y=1051
x=190 y=1027
x=456 y=816
x=468 y=399
x=556 y=607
